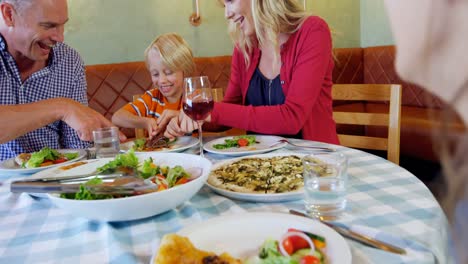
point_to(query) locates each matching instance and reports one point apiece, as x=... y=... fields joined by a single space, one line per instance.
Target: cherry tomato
x=288 y=246
x=60 y=160
x=310 y=260
x=162 y=187
x=242 y=142
x=181 y=181
x=297 y=241
x=46 y=163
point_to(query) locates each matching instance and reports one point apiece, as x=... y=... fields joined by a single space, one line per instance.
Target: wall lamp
x=195 y=18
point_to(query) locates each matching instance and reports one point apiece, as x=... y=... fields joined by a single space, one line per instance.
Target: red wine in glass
x=198 y=110
x=198 y=102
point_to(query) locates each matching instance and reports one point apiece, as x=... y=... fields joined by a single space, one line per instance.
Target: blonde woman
x=169 y=59
x=431 y=38
x=281 y=73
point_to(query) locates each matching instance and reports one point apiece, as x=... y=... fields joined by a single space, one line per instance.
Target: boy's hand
x=151 y=125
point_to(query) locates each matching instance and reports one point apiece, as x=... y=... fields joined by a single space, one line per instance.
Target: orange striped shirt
x=151 y=104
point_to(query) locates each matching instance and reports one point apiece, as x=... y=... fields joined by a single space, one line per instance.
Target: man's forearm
x=17 y=120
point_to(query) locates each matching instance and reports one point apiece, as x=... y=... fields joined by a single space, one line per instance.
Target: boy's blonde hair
x=175 y=53
x=270 y=18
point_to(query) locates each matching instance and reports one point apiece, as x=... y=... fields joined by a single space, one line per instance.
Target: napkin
x=416 y=252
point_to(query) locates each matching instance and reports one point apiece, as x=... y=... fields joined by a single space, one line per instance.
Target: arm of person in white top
x=17 y=120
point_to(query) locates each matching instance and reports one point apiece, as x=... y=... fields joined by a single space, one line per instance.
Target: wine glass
x=198 y=102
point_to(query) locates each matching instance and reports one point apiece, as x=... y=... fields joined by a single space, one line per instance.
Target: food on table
x=260 y=175
x=155 y=143
x=44 y=157
x=148 y=176
x=73 y=165
x=175 y=249
x=237 y=142
x=293 y=247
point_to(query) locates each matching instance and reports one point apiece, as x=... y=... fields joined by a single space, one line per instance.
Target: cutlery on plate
x=281 y=141
x=346 y=232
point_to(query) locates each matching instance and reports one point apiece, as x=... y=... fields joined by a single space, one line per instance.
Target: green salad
x=295 y=247
x=237 y=142
x=47 y=156
x=162 y=177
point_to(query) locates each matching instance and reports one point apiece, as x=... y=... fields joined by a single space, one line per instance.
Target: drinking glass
x=325 y=183
x=106 y=142
x=198 y=102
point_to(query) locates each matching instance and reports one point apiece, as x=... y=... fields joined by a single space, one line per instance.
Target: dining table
x=381 y=196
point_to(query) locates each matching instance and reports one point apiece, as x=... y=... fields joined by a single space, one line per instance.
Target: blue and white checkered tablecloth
x=381 y=196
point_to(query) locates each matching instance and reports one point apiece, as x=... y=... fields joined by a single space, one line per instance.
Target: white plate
x=241 y=235
x=10 y=167
x=266 y=144
x=140 y=206
x=257 y=197
x=181 y=144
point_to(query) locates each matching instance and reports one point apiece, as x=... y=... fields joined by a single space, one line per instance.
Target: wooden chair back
x=371 y=92
x=139 y=132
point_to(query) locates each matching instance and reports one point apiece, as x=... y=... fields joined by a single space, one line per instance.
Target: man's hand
x=84 y=120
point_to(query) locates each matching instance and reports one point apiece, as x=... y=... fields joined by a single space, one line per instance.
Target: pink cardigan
x=306 y=77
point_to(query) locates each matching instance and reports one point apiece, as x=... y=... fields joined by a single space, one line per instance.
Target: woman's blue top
x=263 y=91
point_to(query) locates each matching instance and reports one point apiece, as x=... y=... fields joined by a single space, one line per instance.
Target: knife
x=346 y=232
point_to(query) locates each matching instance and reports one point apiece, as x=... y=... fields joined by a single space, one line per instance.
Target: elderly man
x=42 y=81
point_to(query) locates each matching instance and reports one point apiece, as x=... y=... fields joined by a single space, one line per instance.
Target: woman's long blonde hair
x=175 y=53
x=270 y=18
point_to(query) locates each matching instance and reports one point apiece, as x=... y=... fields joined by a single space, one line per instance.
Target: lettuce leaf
x=175 y=174
x=70 y=156
x=37 y=158
x=128 y=160
x=147 y=169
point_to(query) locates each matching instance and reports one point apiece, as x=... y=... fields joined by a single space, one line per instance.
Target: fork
x=301 y=146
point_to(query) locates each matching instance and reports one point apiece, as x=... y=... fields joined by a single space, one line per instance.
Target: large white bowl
x=141 y=206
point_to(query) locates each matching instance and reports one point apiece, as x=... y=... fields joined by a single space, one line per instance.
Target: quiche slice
x=175 y=249
x=260 y=175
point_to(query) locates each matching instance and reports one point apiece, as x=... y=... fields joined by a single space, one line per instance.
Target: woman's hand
x=165 y=118
x=180 y=125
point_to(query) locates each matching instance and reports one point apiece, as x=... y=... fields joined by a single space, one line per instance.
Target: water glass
x=325 y=183
x=106 y=142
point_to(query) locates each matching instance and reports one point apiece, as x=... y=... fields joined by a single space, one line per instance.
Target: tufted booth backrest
x=110 y=86
x=379 y=68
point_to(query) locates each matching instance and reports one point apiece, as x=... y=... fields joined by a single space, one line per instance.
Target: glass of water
x=106 y=142
x=325 y=183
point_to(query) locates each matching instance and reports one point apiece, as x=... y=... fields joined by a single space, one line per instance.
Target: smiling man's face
x=36 y=28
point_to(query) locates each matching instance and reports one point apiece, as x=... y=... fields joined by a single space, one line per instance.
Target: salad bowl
x=144 y=205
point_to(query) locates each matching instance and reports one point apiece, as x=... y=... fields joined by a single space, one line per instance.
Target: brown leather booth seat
x=110 y=86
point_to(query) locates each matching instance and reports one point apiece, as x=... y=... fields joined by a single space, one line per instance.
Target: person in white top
x=431 y=40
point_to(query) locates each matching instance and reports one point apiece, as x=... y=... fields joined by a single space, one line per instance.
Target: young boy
x=169 y=59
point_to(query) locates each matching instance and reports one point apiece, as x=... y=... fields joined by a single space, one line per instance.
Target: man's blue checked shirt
x=64 y=76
